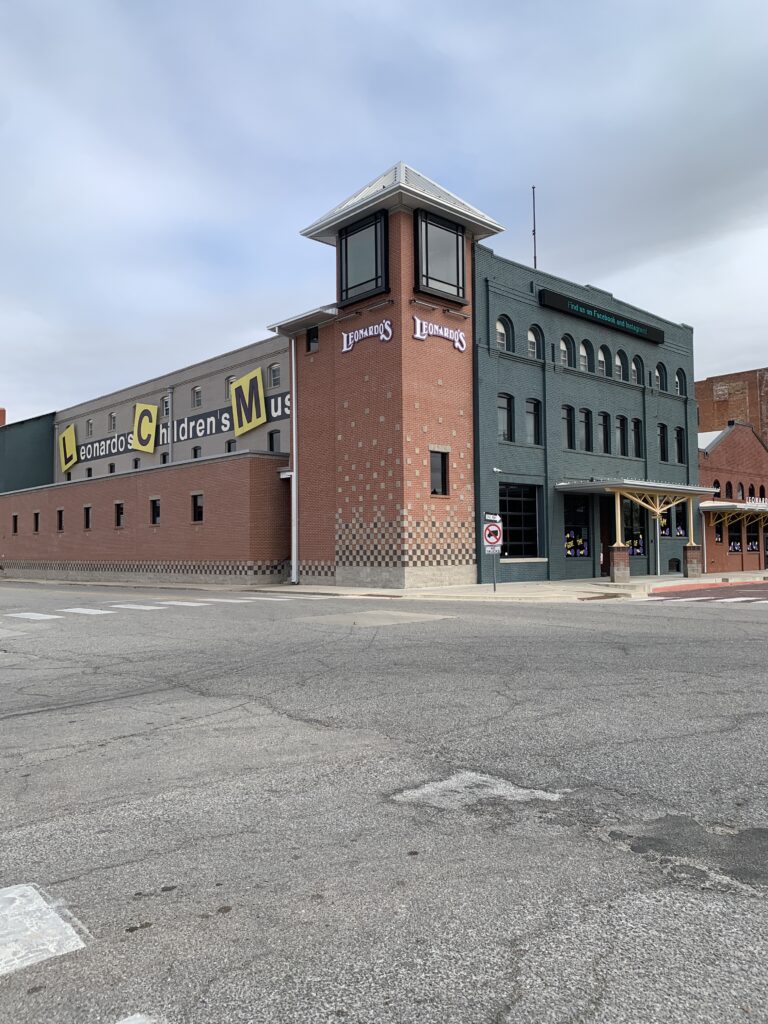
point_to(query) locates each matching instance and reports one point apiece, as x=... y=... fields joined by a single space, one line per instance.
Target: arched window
x=535 y=342
x=740 y=492
x=604 y=361
x=620 y=366
x=716 y=485
x=505 y=407
x=505 y=338
x=762 y=492
x=751 y=491
x=681 y=387
x=637 y=371
x=728 y=489
x=567 y=351
x=660 y=377
x=586 y=357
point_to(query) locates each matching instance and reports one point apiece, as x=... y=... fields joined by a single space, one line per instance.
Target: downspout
x=703 y=540
x=294 y=472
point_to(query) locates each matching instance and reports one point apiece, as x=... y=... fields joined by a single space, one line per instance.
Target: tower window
x=363 y=258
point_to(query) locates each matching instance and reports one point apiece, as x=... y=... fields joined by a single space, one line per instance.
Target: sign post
x=492 y=534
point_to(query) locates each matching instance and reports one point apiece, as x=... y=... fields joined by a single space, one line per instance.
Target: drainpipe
x=703 y=540
x=170 y=423
x=294 y=472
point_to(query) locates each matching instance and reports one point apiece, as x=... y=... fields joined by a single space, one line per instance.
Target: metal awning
x=610 y=485
x=313 y=318
x=734 y=511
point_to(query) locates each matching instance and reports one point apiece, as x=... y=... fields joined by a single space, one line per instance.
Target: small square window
x=197 y=452
x=165 y=458
x=89 y=471
x=68 y=475
x=231 y=446
x=119 y=513
x=136 y=463
x=197 y=508
x=154 y=511
x=438 y=466
x=59 y=519
x=273 y=441
x=86 y=517
x=313 y=340
x=111 y=467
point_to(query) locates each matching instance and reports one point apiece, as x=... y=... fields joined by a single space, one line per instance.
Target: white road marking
x=31 y=615
x=465 y=788
x=185 y=604
x=733 y=600
x=679 y=600
x=139 y=607
x=267 y=598
x=85 y=611
x=139 y=1018
x=31 y=930
x=227 y=600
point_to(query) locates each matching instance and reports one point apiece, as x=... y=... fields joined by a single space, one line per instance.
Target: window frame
x=523 y=522
x=87 y=517
x=507 y=332
x=533 y=423
x=422 y=220
x=197 y=507
x=270 y=442
x=380 y=221
x=637 y=437
x=568 y=427
x=155 y=511
x=273 y=375
x=535 y=338
x=196 y=397
x=585 y=439
x=119 y=507
x=442 y=470
x=663 y=438
x=680 y=446
x=621 y=436
x=604 y=432
x=567 y=352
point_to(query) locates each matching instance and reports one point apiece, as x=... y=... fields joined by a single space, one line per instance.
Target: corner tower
x=384 y=391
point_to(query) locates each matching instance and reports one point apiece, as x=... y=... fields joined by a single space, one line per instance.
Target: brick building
x=734 y=463
x=741 y=397
x=441 y=383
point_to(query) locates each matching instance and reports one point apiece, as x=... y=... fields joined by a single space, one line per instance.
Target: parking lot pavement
x=380 y=811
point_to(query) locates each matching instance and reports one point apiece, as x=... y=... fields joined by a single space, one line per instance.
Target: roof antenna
x=533 y=193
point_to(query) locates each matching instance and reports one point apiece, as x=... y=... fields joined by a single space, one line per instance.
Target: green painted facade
x=27 y=453
x=510 y=291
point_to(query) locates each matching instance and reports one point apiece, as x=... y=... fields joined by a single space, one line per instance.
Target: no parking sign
x=492 y=538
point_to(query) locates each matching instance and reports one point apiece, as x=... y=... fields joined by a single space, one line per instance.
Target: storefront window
x=665 y=524
x=634 y=527
x=519 y=521
x=753 y=537
x=576 y=521
x=681 y=519
x=734 y=536
x=718 y=533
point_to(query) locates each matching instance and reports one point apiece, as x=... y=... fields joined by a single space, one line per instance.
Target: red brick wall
x=734 y=396
x=739 y=458
x=246 y=517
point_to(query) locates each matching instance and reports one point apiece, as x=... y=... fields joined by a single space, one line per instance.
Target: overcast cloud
x=157 y=161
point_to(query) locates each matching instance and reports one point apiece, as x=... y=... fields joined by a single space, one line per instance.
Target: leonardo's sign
x=382 y=331
x=423 y=329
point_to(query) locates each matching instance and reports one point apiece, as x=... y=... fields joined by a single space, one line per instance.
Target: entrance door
x=607 y=531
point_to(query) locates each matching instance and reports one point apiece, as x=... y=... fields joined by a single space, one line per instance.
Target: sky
x=159 y=159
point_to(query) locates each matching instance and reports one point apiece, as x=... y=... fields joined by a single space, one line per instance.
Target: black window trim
x=421 y=217
x=381 y=218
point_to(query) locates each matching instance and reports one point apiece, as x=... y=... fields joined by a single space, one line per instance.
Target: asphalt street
x=227 y=807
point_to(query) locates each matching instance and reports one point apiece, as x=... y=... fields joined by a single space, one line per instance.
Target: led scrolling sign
x=603 y=317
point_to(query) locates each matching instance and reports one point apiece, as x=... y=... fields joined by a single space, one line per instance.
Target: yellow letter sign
x=249 y=409
x=144 y=428
x=67 y=448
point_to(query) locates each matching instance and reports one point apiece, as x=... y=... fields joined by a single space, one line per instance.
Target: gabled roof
x=401 y=185
x=709 y=438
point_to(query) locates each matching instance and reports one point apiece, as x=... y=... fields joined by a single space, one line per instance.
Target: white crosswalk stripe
x=35 y=616
x=733 y=600
x=140 y=607
x=226 y=600
x=185 y=604
x=86 y=611
x=267 y=599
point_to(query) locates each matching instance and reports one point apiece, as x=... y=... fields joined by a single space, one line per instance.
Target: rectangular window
x=665 y=524
x=86 y=517
x=229 y=381
x=680 y=445
x=231 y=446
x=197 y=451
x=504 y=419
x=734 y=536
x=14 y=523
x=637 y=438
x=681 y=519
x=533 y=421
x=165 y=458
x=111 y=422
x=35 y=522
x=197 y=508
x=663 y=443
x=273 y=375
x=166 y=406
x=519 y=521
x=719 y=532
x=621 y=435
x=585 y=430
x=89 y=428
x=362 y=255
x=136 y=463
x=60 y=519
x=111 y=467
x=119 y=513
x=154 y=511
x=313 y=340
x=89 y=471
x=440 y=256
x=273 y=441
x=438 y=468
x=634 y=527
x=197 y=397
x=753 y=537
x=69 y=476
x=569 y=440
x=604 y=433
x=576 y=522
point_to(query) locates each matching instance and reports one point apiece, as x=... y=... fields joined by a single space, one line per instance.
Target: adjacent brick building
x=741 y=397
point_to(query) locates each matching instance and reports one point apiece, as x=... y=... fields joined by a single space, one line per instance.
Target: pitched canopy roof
x=401 y=185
